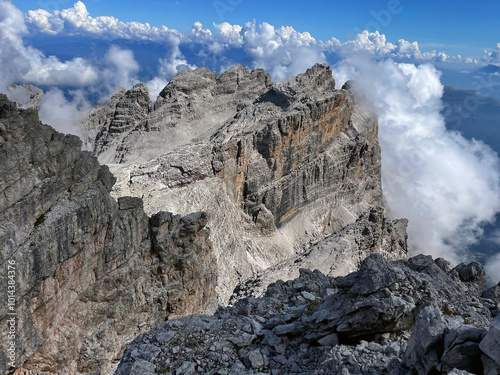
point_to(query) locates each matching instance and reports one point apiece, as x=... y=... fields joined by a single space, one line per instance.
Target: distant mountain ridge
x=488 y=69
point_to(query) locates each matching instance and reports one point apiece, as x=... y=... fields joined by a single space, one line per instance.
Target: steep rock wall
x=90 y=272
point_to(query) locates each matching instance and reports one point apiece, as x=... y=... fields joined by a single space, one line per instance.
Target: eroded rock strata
x=277 y=167
x=262 y=179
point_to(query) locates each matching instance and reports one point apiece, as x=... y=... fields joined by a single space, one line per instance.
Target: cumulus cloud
x=12 y=61
x=65 y=111
x=200 y=33
x=22 y=64
x=492 y=56
x=229 y=34
x=50 y=71
x=77 y=20
x=283 y=52
x=120 y=69
x=168 y=67
x=493 y=270
x=63 y=114
x=444 y=184
x=376 y=45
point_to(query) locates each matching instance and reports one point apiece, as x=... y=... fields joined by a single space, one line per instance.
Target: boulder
x=461 y=350
x=490 y=345
x=426 y=344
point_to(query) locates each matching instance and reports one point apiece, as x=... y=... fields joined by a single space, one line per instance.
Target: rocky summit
x=220 y=198
x=277 y=167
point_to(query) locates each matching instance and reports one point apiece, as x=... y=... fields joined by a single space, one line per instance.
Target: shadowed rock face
x=277 y=167
x=90 y=272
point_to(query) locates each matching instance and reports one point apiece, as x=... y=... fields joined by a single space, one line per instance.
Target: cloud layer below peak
x=445 y=185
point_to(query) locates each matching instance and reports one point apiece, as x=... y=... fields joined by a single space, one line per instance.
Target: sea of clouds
x=445 y=185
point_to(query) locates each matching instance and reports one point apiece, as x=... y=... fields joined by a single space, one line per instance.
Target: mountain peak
x=489 y=69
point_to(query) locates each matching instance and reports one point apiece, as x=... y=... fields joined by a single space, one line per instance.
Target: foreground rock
x=490 y=346
x=276 y=167
x=391 y=317
x=90 y=272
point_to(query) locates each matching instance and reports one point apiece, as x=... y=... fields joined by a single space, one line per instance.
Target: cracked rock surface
x=395 y=317
x=91 y=272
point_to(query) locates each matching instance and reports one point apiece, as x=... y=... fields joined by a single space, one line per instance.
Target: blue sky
x=455 y=27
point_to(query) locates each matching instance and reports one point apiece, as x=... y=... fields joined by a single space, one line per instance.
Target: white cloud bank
x=22 y=64
x=78 y=21
x=282 y=51
x=63 y=114
x=120 y=70
x=493 y=270
x=26 y=64
x=444 y=184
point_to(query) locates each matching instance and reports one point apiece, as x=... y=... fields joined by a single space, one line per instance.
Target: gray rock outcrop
x=491 y=348
x=276 y=167
x=90 y=272
x=396 y=317
x=461 y=350
x=27 y=96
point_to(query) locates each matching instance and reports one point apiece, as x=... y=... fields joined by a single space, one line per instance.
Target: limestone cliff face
x=277 y=167
x=190 y=108
x=90 y=272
